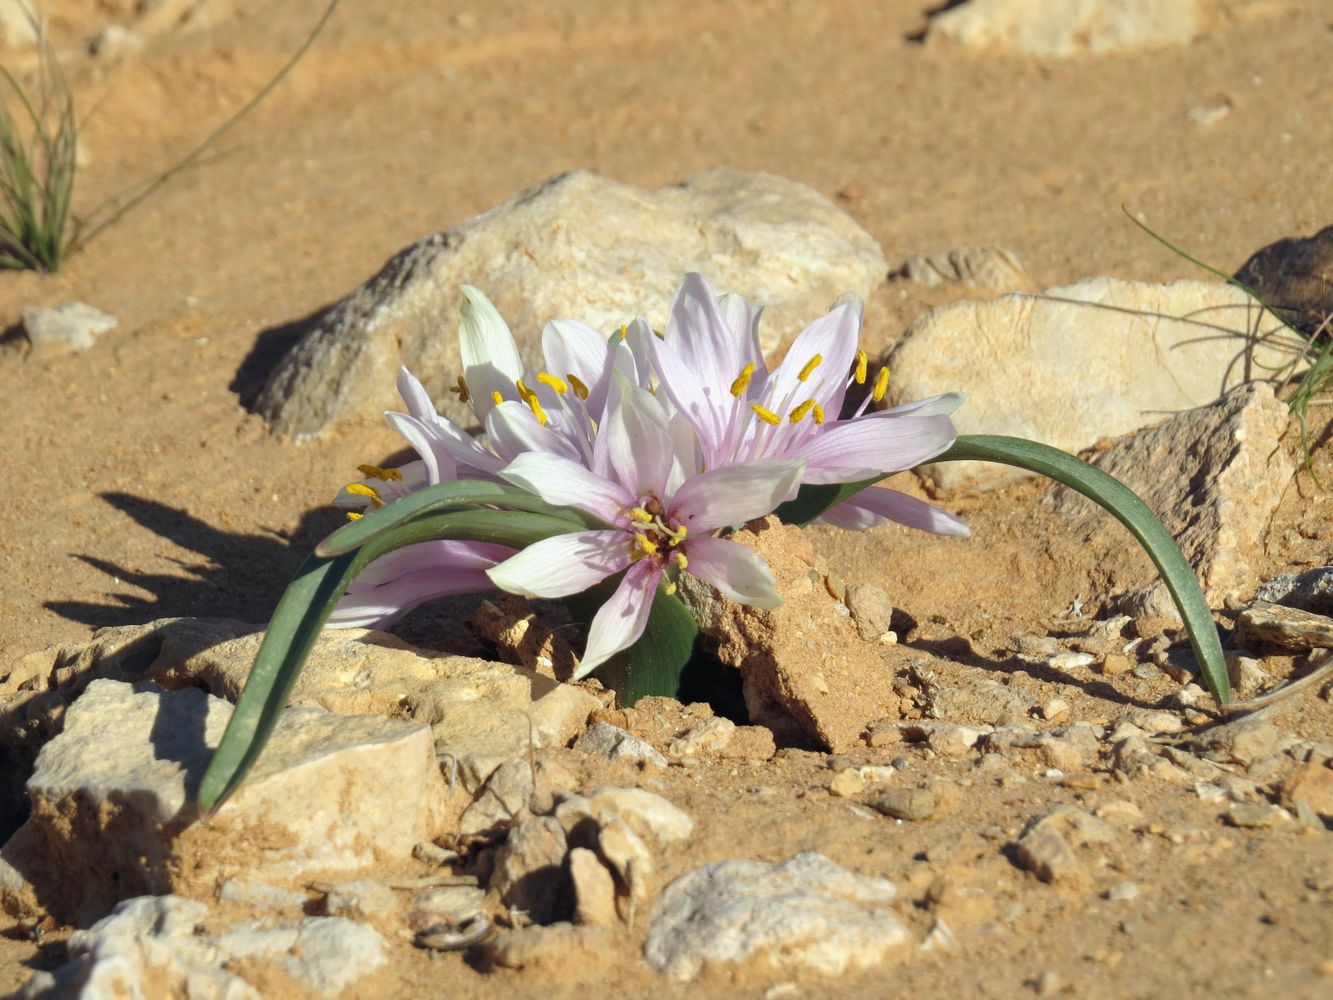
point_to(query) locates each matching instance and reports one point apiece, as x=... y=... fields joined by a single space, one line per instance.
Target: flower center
x=656 y=535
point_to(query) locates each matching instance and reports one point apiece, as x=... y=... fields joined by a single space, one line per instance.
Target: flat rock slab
x=1071 y=27
x=806 y=914
x=111 y=814
x=1213 y=475
x=482 y=713
x=577 y=246
x=1083 y=362
x=157 y=946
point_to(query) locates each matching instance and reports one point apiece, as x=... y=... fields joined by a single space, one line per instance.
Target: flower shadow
x=238 y=576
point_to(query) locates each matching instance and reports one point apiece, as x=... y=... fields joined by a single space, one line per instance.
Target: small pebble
x=905 y=803
x=1055 y=710
x=1124 y=892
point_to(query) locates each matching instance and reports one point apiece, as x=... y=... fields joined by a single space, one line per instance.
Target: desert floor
x=139 y=486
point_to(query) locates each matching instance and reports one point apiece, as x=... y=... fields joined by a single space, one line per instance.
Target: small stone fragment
x=530 y=873
x=904 y=803
x=1123 y=892
x=506 y=791
x=993 y=268
x=1311 y=784
x=870 y=609
x=562 y=946
x=1256 y=815
x=804 y=914
x=363 y=899
x=70 y=326
x=1047 y=846
x=615 y=744
x=710 y=736
x=1056 y=709
x=1286 y=628
x=594 y=889
x=1115 y=664
x=645 y=811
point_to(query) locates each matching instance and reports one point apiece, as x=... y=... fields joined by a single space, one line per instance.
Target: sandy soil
x=140 y=486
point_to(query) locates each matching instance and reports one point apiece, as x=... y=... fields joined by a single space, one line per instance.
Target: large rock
x=482 y=713
x=808 y=674
x=804 y=915
x=111 y=813
x=577 y=246
x=157 y=946
x=1079 y=363
x=1071 y=27
x=1214 y=476
x=1295 y=277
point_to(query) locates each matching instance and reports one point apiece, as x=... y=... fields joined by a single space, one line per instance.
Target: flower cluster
x=663 y=441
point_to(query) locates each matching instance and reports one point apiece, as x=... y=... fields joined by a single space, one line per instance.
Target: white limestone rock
x=576 y=246
x=70 y=326
x=1070 y=27
x=155 y=946
x=110 y=802
x=1092 y=360
x=1214 y=476
x=806 y=914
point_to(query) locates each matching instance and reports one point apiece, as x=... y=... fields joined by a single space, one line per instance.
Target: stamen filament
x=810 y=366
x=798 y=414
x=767 y=416
x=881 y=384
x=742 y=381
x=546 y=378
x=862 y=364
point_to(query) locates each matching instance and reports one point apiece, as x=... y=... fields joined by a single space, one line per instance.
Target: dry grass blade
x=38 y=141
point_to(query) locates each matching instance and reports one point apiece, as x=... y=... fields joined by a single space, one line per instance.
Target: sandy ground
x=139 y=486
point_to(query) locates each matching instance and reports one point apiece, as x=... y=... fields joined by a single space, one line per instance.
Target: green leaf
x=306 y=606
x=654 y=664
x=1106 y=491
x=442 y=496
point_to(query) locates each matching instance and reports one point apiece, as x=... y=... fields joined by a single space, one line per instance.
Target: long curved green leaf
x=442 y=496
x=306 y=606
x=1104 y=490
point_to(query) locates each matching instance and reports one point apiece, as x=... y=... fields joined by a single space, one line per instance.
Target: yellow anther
x=523 y=391
x=742 y=381
x=558 y=384
x=624 y=330
x=645 y=545
x=670 y=587
x=495 y=395
x=461 y=389
x=767 y=416
x=681 y=561
x=810 y=366
x=819 y=414
x=798 y=414
x=680 y=535
x=881 y=384
x=580 y=389
x=639 y=514
x=375 y=472
x=354 y=515
x=862 y=363
x=362 y=490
